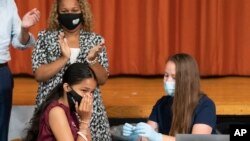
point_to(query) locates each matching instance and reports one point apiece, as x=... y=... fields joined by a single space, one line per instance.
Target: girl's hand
x=85 y=108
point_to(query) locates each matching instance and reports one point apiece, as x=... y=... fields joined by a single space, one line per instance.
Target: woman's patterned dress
x=47 y=50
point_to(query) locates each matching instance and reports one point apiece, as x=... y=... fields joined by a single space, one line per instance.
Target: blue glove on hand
x=128 y=131
x=145 y=130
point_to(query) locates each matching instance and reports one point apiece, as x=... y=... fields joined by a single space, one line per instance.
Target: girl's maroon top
x=45 y=133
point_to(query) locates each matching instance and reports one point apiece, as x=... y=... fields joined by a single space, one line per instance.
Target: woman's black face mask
x=70 y=20
x=73 y=97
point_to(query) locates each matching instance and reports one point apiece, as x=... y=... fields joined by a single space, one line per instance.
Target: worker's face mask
x=73 y=97
x=169 y=87
x=70 y=20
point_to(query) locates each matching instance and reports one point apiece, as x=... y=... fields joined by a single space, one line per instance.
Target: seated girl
x=66 y=113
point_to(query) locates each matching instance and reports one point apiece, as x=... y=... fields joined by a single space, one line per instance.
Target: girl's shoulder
x=57 y=105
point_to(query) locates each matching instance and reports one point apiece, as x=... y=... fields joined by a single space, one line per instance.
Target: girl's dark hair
x=73 y=75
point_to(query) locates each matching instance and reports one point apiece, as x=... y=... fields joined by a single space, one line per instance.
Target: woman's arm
x=46 y=71
x=84 y=129
x=197 y=129
x=201 y=129
x=100 y=72
x=94 y=54
x=153 y=124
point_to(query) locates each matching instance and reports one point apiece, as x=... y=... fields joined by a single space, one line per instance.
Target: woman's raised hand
x=93 y=53
x=64 y=46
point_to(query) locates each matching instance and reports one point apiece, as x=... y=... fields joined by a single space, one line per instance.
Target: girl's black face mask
x=73 y=97
x=70 y=20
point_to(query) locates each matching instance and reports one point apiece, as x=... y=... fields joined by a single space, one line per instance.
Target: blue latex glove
x=128 y=131
x=145 y=130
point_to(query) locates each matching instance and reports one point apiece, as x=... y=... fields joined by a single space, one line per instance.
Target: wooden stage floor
x=133 y=97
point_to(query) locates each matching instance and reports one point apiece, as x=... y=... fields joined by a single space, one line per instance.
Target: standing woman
x=69 y=39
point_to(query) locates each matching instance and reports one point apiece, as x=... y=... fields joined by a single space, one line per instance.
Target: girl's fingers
x=86 y=105
x=89 y=102
x=92 y=100
x=83 y=103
